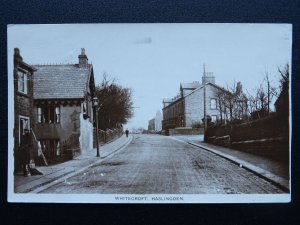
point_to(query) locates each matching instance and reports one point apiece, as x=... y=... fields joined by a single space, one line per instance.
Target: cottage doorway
x=50 y=148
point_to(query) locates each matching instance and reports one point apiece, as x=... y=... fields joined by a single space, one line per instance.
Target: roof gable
x=190 y=86
x=207 y=84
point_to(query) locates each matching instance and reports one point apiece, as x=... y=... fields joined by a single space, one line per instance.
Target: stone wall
x=186 y=131
x=106 y=136
x=267 y=137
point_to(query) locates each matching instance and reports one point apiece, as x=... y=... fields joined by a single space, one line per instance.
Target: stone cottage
x=62 y=99
x=54 y=102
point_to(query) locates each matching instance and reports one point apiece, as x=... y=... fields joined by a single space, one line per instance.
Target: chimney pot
x=17 y=55
x=83 y=59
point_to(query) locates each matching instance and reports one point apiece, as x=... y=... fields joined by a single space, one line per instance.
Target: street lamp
x=96 y=103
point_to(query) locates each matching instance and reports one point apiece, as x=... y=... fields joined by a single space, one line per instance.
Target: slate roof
x=60 y=81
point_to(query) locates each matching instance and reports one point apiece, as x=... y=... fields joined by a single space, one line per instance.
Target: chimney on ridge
x=83 y=59
x=17 y=54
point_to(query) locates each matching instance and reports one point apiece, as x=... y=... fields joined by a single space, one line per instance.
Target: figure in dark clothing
x=24 y=152
x=127 y=132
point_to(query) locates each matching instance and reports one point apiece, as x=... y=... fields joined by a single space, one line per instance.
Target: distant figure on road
x=127 y=132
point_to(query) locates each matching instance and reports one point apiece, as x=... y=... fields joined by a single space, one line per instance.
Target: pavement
x=59 y=172
x=271 y=170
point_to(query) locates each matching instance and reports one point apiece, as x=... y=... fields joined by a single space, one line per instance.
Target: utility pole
x=204 y=95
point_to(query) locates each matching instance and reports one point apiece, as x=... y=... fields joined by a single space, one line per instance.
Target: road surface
x=154 y=164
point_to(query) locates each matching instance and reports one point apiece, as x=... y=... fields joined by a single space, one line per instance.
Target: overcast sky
x=153 y=59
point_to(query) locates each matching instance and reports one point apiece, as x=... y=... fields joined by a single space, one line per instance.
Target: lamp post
x=204 y=98
x=96 y=103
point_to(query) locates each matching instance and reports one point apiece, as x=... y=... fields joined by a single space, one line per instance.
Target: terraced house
x=23 y=104
x=61 y=109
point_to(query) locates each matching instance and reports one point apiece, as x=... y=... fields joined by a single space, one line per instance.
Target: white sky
x=153 y=59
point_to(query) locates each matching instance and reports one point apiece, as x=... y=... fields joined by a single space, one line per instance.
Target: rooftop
x=60 y=81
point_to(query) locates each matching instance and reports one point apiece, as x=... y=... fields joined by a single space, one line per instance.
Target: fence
x=106 y=136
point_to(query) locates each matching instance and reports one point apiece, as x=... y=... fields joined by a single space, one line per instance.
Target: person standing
x=127 y=132
x=25 y=157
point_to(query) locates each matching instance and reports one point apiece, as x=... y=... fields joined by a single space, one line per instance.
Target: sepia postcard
x=149 y=113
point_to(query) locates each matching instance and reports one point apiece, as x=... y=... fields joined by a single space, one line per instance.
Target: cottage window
x=48 y=114
x=22 y=82
x=57 y=114
x=213 y=103
x=39 y=113
x=214 y=118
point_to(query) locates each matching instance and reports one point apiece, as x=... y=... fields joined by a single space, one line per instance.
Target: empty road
x=154 y=164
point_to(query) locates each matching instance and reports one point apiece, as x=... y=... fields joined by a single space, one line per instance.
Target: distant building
x=151 y=125
x=158 y=121
x=187 y=108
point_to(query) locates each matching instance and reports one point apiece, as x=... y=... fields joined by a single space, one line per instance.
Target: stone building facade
x=187 y=108
x=151 y=125
x=194 y=102
x=173 y=113
x=23 y=104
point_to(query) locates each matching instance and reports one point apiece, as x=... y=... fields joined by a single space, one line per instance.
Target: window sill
x=23 y=94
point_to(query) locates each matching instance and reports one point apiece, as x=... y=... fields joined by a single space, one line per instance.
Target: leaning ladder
x=39 y=150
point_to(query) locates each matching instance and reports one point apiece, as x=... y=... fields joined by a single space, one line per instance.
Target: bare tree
x=230 y=101
x=233 y=102
x=253 y=102
x=271 y=92
x=221 y=104
x=285 y=76
x=282 y=103
x=223 y=96
x=260 y=103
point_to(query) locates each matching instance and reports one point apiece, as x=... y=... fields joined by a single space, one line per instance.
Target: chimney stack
x=17 y=54
x=83 y=59
x=208 y=77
